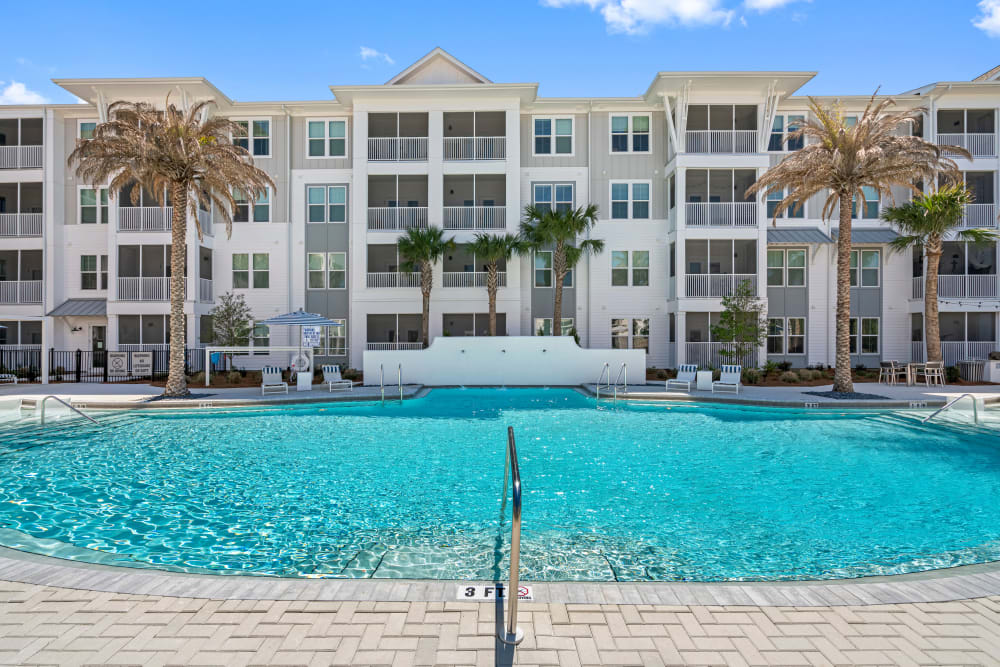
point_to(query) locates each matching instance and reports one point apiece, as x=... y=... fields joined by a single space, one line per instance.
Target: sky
x=587 y=48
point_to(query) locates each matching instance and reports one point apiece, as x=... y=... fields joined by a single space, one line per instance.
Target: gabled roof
x=992 y=75
x=437 y=67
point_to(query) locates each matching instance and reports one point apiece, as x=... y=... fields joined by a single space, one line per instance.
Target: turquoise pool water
x=633 y=492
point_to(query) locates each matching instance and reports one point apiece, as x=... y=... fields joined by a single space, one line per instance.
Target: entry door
x=98 y=345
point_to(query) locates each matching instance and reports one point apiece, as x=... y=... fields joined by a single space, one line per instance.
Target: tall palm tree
x=545 y=228
x=185 y=152
x=877 y=152
x=421 y=249
x=492 y=248
x=923 y=223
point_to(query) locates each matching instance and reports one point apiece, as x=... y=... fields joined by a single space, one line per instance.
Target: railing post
x=79 y=364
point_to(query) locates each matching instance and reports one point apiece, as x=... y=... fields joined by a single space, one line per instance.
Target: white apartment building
x=440 y=144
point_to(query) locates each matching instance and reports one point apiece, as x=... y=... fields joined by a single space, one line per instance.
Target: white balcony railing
x=955 y=351
x=721 y=141
x=980 y=215
x=395 y=218
x=20 y=224
x=475 y=148
x=710 y=354
x=980 y=144
x=917 y=287
x=205 y=290
x=916 y=350
x=20 y=157
x=967 y=287
x=144 y=347
x=143 y=289
x=397 y=149
x=471 y=278
x=721 y=214
x=395 y=346
x=145 y=218
x=20 y=291
x=393 y=279
x=475 y=217
x=716 y=284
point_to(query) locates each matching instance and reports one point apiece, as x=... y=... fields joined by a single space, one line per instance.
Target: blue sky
x=294 y=50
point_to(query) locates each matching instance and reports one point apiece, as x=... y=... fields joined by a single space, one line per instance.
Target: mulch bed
x=847 y=395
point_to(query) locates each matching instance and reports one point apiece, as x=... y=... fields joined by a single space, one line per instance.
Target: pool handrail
x=975 y=408
x=605 y=370
x=399 y=380
x=74 y=409
x=622 y=373
x=512 y=635
x=381 y=381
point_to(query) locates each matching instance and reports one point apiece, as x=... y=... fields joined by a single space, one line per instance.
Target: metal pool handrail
x=606 y=369
x=513 y=634
x=399 y=381
x=975 y=408
x=622 y=372
x=76 y=410
x=381 y=381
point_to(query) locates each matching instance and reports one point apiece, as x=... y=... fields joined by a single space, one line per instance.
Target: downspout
x=590 y=191
x=288 y=200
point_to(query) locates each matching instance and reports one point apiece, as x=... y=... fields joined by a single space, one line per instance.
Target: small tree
x=743 y=323
x=231 y=321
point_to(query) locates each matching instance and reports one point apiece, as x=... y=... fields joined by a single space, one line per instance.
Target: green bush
x=789 y=377
x=770 y=368
x=661 y=374
x=751 y=376
x=807 y=375
x=234 y=377
x=197 y=378
x=351 y=374
x=784 y=366
x=952 y=374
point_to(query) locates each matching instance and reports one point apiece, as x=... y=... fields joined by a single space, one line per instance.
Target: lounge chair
x=686 y=375
x=271 y=380
x=333 y=380
x=729 y=379
x=8 y=378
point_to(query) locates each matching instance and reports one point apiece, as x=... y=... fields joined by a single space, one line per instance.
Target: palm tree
x=492 y=248
x=923 y=223
x=183 y=152
x=421 y=249
x=842 y=159
x=545 y=228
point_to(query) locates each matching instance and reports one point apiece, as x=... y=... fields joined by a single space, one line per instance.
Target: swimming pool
x=701 y=492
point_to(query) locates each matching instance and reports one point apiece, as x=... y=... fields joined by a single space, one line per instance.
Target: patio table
x=911 y=372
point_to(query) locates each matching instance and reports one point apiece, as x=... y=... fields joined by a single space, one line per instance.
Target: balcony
x=205 y=293
x=980 y=215
x=971 y=129
x=21 y=209
x=133 y=288
x=721 y=128
x=704 y=285
x=20 y=157
x=716 y=198
x=475 y=148
x=20 y=291
x=391 y=331
x=21 y=224
x=471 y=278
x=396 y=218
x=20 y=143
x=721 y=141
x=475 y=201
x=478 y=135
x=721 y=214
x=475 y=217
x=980 y=144
x=145 y=218
x=397 y=137
x=966 y=287
x=397 y=202
x=379 y=279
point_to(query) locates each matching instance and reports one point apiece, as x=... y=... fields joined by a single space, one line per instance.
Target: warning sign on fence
x=117 y=364
x=142 y=364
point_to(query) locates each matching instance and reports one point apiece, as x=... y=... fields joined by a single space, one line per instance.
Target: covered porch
x=399 y=331
x=21 y=273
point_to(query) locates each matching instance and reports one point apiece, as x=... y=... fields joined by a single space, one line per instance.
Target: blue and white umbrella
x=300 y=318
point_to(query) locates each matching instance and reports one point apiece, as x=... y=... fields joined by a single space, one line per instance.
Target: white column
x=47 y=340
x=680 y=336
x=435 y=168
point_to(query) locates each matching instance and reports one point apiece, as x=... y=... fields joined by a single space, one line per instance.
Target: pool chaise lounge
x=334 y=381
x=271 y=381
x=686 y=375
x=729 y=379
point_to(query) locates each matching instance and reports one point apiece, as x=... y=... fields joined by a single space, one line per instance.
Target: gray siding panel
x=789 y=302
x=579 y=157
x=299 y=149
x=628 y=166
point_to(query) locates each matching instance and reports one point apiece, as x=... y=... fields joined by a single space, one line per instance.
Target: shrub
x=661 y=374
x=785 y=366
x=197 y=378
x=350 y=374
x=751 y=376
x=994 y=356
x=770 y=368
x=807 y=374
x=716 y=374
x=789 y=377
x=953 y=374
x=234 y=377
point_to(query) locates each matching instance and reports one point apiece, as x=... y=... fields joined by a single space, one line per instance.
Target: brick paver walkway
x=42 y=625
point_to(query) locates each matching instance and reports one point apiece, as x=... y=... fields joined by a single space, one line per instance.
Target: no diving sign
x=488 y=592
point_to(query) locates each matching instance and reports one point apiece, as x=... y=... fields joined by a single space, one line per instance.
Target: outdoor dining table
x=911 y=372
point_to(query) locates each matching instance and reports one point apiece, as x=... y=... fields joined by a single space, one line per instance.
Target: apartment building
x=440 y=144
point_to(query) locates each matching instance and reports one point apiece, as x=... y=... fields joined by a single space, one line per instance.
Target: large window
x=261 y=207
x=93 y=272
x=333 y=339
x=630 y=268
x=869 y=210
x=327 y=270
x=543 y=326
x=93 y=206
x=786 y=335
x=326 y=203
x=553 y=136
x=630 y=200
x=544 y=272
x=630 y=133
x=243 y=273
x=870 y=267
x=783 y=127
x=326 y=138
x=254 y=135
x=786 y=268
x=261 y=335
x=629 y=333
x=794 y=211
x=867 y=338
x=545 y=196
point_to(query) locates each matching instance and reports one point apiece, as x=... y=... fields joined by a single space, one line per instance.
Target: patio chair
x=333 y=380
x=8 y=378
x=933 y=372
x=271 y=380
x=686 y=375
x=729 y=379
x=885 y=372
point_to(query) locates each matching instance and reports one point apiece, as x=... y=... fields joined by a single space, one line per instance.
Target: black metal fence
x=91 y=365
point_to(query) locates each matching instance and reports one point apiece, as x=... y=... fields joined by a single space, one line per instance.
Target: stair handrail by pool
x=381 y=381
x=605 y=369
x=76 y=410
x=975 y=408
x=512 y=634
x=399 y=380
x=622 y=374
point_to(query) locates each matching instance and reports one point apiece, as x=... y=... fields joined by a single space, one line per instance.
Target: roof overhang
x=152 y=90
x=350 y=95
x=672 y=83
x=875 y=235
x=80 y=308
x=798 y=235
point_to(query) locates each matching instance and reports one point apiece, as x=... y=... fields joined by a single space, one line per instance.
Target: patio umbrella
x=300 y=318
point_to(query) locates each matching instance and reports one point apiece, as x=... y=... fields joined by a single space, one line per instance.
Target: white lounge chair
x=333 y=379
x=271 y=380
x=686 y=375
x=8 y=378
x=729 y=379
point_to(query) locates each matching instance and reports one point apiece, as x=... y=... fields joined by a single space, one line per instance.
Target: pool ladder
x=399 y=381
x=977 y=404
x=512 y=634
x=620 y=381
x=41 y=409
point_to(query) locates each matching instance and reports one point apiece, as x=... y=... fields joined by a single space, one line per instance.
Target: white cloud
x=17 y=93
x=766 y=5
x=368 y=53
x=989 y=20
x=638 y=16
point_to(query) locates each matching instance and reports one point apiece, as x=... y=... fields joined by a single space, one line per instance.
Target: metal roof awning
x=81 y=308
x=879 y=235
x=796 y=235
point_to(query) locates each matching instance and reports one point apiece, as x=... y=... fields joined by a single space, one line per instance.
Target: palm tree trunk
x=176 y=380
x=426 y=283
x=559 y=274
x=491 y=290
x=842 y=372
x=932 y=323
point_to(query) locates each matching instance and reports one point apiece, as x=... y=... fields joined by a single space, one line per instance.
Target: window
x=316 y=263
x=93 y=206
x=786 y=268
x=543 y=326
x=786 y=335
x=621 y=269
x=630 y=334
x=544 y=272
x=326 y=138
x=337 y=270
x=870 y=209
x=543 y=196
x=630 y=133
x=868 y=337
x=333 y=339
x=783 y=126
x=796 y=335
x=869 y=268
x=775 y=335
x=624 y=207
x=774 y=197
x=553 y=136
x=92 y=277
x=254 y=136
x=261 y=207
x=242 y=270
x=86 y=129
x=326 y=203
x=261 y=273
x=261 y=335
